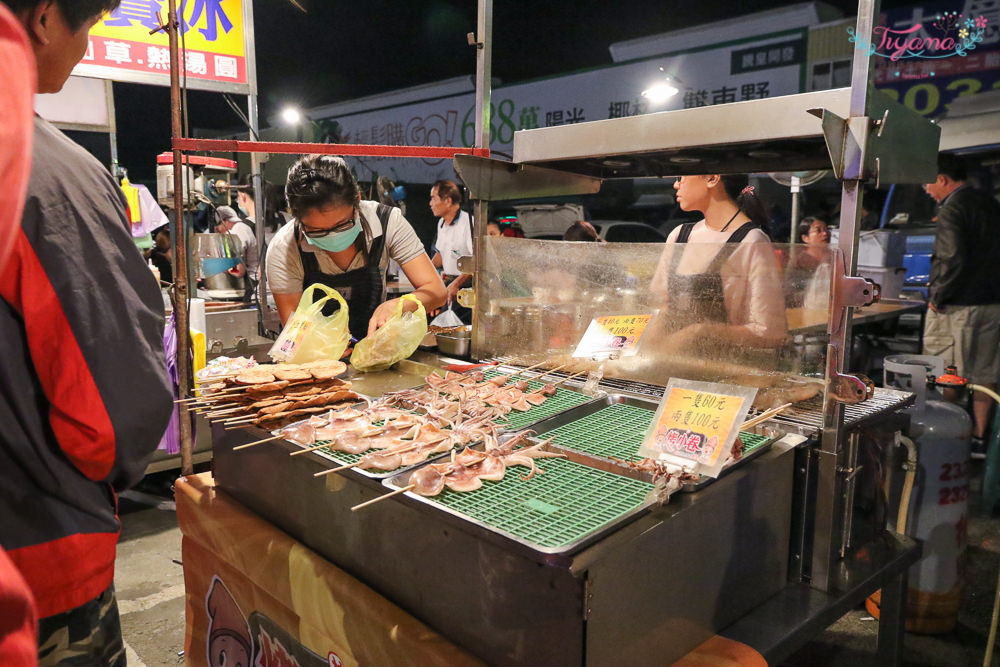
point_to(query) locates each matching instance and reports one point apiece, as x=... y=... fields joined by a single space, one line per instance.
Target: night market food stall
x=616 y=530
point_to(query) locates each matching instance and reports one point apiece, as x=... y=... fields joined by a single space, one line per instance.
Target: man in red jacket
x=84 y=395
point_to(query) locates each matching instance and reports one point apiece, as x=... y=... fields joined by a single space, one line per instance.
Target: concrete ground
x=150 y=585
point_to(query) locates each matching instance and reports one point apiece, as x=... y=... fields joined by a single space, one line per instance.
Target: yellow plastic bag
x=393 y=341
x=310 y=335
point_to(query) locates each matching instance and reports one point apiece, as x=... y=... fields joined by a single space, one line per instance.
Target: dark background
x=341 y=50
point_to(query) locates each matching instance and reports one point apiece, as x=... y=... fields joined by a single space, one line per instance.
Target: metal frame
x=894 y=146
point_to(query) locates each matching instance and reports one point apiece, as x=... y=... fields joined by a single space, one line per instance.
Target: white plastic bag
x=446 y=318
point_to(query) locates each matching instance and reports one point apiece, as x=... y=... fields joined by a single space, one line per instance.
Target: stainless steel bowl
x=456 y=344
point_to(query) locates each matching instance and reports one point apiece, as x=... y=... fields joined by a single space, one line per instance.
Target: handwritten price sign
x=613 y=335
x=697 y=422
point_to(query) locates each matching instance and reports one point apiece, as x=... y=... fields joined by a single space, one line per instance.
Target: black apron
x=361 y=288
x=700 y=297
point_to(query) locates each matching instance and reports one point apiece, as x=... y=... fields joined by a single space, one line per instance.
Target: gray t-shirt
x=284 y=266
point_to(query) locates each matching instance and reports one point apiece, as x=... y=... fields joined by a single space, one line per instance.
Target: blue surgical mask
x=337 y=241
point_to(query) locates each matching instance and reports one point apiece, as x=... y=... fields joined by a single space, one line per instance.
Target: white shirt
x=454 y=241
x=751 y=277
x=284 y=265
x=248 y=241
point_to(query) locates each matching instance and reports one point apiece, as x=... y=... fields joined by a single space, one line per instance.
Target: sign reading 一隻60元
x=216 y=35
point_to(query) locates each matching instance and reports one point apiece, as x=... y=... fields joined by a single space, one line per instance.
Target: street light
x=661 y=90
x=291 y=115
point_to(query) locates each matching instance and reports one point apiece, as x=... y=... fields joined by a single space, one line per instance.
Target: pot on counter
x=455 y=344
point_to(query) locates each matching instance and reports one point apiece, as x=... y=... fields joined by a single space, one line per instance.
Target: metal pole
x=480 y=208
x=259 y=207
x=831 y=497
x=113 y=126
x=180 y=243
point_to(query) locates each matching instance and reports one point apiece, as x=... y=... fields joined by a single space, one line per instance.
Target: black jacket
x=966 y=250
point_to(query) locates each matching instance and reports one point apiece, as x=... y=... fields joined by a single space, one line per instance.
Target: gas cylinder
x=938 y=505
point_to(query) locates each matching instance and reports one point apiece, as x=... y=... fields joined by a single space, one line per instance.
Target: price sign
x=613 y=335
x=697 y=422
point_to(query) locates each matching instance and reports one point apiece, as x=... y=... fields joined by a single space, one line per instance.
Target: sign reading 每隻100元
x=216 y=37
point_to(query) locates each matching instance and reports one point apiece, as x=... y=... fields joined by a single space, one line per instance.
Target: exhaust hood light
x=685 y=160
x=764 y=154
x=616 y=164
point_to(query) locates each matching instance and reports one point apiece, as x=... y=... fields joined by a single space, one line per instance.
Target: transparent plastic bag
x=447 y=318
x=393 y=341
x=309 y=335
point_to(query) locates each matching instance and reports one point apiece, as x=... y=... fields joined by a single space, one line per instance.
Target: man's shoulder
x=59 y=163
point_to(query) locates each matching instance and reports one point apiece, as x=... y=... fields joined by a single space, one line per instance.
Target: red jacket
x=84 y=395
x=18 y=617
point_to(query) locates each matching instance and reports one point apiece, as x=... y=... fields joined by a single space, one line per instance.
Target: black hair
x=738 y=189
x=76 y=12
x=806 y=223
x=274 y=201
x=580 y=231
x=315 y=181
x=448 y=190
x=951 y=166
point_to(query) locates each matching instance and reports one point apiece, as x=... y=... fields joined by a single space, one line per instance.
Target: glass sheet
x=740 y=313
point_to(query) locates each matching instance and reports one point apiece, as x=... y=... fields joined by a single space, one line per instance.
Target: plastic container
x=877 y=247
x=456 y=344
x=889 y=278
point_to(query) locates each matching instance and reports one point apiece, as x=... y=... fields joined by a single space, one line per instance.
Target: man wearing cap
x=228 y=221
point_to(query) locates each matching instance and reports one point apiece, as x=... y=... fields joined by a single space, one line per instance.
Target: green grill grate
x=563 y=399
x=554 y=509
x=618 y=430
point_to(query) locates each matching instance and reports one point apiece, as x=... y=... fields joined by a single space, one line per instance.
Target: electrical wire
x=239 y=112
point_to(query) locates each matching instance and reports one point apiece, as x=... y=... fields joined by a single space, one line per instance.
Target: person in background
x=723 y=285
x=963 y=317
x=161 y=254
x=274 y=199
x=338 y=240
x=581 y=230
x=84 y=393
x=493 y=229
x=454 y=240
x=815 y=234
x=18 y=613
x=228 y=221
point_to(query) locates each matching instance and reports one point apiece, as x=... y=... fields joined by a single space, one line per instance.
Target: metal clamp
x=845 y=388
x=850 y=388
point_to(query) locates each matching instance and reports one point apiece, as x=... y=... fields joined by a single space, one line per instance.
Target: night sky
x=343 y=50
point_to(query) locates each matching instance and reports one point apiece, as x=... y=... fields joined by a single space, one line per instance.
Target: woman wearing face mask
x=338 y=240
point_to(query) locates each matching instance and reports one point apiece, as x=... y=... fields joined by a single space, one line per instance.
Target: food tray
x=563 y=400
x=557 y=511
x=616 y=425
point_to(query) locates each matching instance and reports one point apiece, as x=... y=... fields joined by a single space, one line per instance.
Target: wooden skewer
x=381 y=498
x=238 y=420
x=570 y=377
x=557 y=368
x=233 y=428
x=529 y=368
x=404 y=450
x=346 y=466
x=251 y=444
x=764 y=416
x=225 y=411
x=310 y=449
